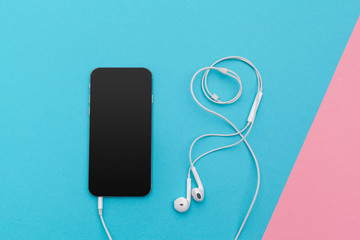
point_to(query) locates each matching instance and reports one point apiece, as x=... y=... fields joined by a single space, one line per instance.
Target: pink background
x=321 y=199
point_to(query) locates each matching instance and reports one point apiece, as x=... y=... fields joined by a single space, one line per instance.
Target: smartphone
x=120 y=132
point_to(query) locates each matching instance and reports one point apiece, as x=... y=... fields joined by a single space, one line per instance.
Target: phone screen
x=120 y=132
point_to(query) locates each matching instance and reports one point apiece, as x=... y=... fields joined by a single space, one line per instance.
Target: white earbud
x=182 y=204
x=197 y=193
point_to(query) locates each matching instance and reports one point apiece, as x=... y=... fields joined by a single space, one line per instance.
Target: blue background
x=48 y=50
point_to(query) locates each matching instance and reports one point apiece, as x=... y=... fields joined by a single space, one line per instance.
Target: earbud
x=197 y=193
x=182 y=204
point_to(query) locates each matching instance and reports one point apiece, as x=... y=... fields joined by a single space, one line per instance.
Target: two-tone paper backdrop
x=48 y=50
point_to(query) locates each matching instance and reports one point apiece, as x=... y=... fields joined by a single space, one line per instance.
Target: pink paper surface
x=321 y=199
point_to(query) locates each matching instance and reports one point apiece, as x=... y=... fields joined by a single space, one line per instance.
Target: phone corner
x=94 y=71
x=148 y=71
x=92 y=191
x=148 y=191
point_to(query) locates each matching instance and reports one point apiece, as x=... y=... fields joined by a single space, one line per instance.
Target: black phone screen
x=120 y=132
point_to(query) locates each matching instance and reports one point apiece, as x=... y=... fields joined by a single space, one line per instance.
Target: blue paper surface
x=48 y=50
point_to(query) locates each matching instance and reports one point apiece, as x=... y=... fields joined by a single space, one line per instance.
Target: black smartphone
x=120 y=132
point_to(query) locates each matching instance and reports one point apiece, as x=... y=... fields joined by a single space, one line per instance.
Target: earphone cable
x=100 y=208
x=214 y=98
x=192 y=163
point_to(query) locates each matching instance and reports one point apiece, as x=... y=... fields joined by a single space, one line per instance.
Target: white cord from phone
x=100 y=208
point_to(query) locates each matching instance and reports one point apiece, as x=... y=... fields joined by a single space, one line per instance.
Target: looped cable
x=214 y=98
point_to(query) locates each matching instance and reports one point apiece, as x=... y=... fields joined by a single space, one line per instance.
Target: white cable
x=214 y=98
x=100 y=208
x=216 y=149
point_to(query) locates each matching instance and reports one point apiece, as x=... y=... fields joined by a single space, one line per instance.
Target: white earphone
x=182 y=204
